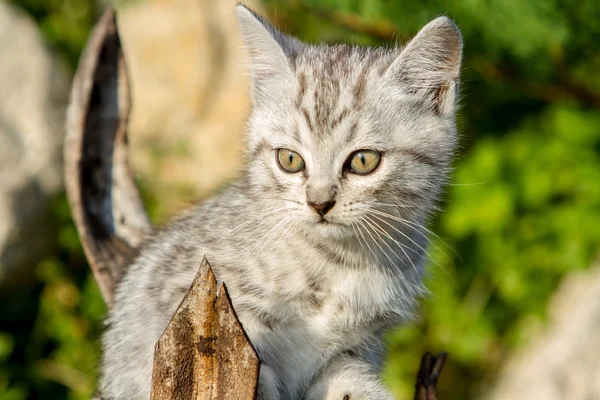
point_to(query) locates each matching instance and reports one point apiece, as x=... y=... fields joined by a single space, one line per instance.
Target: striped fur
x=313 y=294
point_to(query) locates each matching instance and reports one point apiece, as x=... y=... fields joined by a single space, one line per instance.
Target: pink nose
x=322 y=208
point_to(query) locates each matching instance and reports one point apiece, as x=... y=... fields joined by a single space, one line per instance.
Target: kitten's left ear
x=429 y=65
x=270 y=53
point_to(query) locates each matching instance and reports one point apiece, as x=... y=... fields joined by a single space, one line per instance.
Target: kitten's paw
x=349 y=385
x=350 y=392
x=380 y=394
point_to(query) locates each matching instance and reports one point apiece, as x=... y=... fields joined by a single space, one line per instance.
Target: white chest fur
x=348 y=311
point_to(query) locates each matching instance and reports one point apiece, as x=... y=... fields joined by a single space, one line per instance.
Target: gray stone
x=563 y=362
x=34 y=92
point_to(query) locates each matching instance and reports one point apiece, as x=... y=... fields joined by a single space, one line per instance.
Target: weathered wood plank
x=105 y=202
x=204 y=353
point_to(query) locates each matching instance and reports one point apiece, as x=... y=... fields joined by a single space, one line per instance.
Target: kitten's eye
x=364 y=162
x=289 y=160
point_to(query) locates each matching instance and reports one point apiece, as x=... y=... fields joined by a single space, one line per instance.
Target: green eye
x=289 y=160
x=364 y=162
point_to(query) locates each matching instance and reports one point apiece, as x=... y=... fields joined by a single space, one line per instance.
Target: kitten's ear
x=429 y=65
x=270 y=52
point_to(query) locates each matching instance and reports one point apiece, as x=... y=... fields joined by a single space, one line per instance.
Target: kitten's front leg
x=267 y=384
x=348 y=377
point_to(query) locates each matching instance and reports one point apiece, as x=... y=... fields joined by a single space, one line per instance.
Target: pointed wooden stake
x=204 y=353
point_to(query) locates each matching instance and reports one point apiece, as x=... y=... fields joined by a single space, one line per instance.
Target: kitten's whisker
x=288 y=229
x=402 y=233
x=266 y=221
x=416 y=227
x=395 y=205
x=258 y=241
x=429 y=231
x=408 y=247
x=468 y=184
x=377 y=213
x=365 y=224
x=383 y=240
x=402 y=249
x=280 y=223
x=387 y=234
x=400 y=270
x=357 y=231
x=287 y=223
x=239 y=227
x=284 y=199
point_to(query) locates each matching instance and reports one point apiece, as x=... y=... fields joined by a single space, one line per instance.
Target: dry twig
x=428 y=375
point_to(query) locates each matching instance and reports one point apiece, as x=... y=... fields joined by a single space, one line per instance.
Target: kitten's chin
x=328 y=229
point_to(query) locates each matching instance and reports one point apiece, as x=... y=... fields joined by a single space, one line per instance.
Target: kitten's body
x=313 y=292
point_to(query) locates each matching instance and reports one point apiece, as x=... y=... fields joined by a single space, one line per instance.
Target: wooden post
x=204 y=353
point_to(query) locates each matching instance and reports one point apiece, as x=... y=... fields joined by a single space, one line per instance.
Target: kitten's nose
x=322 y=208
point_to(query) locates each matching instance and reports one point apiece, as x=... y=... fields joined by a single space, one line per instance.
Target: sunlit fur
x=313 y=293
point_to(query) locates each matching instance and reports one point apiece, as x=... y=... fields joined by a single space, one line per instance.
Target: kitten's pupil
x=363 y=159
x=291 y=158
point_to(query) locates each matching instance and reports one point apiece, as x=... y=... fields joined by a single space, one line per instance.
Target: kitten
x=322 y=242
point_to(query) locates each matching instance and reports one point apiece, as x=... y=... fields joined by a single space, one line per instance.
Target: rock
x=190 y=95
x=34 y=96
x=563 y=362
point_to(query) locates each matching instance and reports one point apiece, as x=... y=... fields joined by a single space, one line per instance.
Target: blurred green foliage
x=65 y=24
x=49 y=332
x=523 y=209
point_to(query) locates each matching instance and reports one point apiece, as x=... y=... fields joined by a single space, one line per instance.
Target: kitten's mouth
x=324 y=221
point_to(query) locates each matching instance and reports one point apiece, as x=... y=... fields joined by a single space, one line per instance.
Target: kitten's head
x=341 y=135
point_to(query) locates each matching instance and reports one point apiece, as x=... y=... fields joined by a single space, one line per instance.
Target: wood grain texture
x=204 y=352
x=105 y=203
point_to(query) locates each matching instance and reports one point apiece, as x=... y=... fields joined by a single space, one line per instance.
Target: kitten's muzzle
x=322 y=208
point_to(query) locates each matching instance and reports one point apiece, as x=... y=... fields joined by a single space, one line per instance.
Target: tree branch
x=381 y=29
x=428 y=375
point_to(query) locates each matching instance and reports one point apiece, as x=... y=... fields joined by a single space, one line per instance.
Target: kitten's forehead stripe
x=359 y=88
x=301 y=89
x=262 y=145
x=307 y=119
x=336 y=121
x=335 y=82
x=352 y=132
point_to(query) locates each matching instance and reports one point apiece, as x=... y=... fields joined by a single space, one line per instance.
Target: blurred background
x=515 y=274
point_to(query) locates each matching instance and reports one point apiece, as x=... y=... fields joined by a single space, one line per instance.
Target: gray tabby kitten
x=322 y=242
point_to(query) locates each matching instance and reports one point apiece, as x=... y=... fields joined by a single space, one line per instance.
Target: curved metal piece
x=105 y=203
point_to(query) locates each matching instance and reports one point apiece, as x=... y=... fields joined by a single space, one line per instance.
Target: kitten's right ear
x=270 y=53
x=429 y=65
